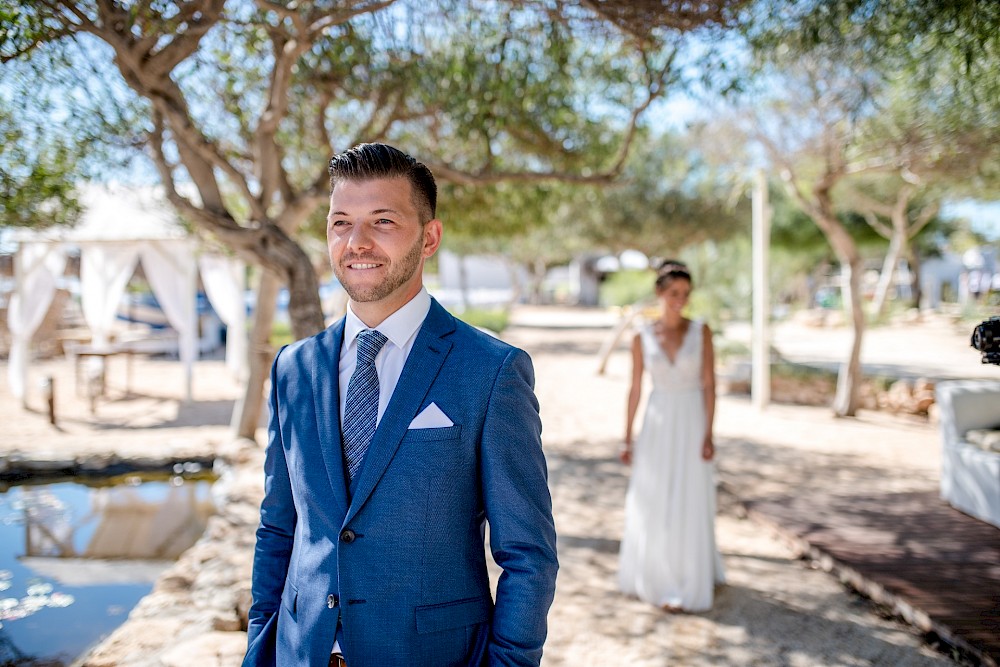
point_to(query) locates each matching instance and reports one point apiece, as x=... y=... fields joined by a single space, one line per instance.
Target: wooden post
x=49 y=392
x=760 y=347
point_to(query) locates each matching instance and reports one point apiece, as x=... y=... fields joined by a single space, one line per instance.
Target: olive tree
x=239 y=103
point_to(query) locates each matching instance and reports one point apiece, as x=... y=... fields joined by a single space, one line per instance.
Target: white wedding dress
x=668 y=553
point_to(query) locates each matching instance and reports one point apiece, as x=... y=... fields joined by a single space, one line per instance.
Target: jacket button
x=332 y=601
x=347 y=536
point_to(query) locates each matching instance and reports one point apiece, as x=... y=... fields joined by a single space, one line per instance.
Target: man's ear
x=432 y=237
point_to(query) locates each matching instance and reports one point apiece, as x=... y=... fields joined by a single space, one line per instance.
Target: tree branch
x=322 y=19
x=216 y=222
x=200 y=18
x=488 y=176
x=880 y=228
x=461 y=177
x=925 y=216
x=868 y=203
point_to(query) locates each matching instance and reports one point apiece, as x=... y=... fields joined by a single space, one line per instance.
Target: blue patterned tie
x=362 y=401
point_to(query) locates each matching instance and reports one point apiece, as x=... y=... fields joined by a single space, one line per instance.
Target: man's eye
x=383 y=221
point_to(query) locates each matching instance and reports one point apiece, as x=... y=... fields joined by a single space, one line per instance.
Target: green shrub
x=623 y=288
x=281 y=334
x=494 y=319
x=795 y=371
x=726 y=349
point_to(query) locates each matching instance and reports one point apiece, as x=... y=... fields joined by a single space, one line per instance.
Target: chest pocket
x=430 y=434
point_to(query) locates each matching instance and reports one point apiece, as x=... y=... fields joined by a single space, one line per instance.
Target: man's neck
x=374 y=313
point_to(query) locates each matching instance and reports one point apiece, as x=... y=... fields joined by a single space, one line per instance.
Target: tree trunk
x=463 y=283
x=516 y=288
x=849 y=378
x=248 y=410
x=538 y=271
x=845 y=403
x=916 y=289
x=275 y=250
x=897 y=247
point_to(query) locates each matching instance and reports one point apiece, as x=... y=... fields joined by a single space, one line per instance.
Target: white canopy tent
x=120 y=227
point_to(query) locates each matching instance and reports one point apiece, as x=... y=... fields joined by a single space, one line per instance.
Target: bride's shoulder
x=704 y=328
x=647 y=325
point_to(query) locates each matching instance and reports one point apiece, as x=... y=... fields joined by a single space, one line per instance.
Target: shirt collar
x=399 y=327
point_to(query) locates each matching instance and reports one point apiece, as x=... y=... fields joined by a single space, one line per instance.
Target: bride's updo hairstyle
x=669 y=271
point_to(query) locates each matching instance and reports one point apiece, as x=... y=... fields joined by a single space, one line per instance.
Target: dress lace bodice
x=681 y=374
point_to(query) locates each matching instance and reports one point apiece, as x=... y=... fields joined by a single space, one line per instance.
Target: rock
x=243 y=601
x=922 y=403
x=135 y=643
x=239 y=450
x=913 y=398
x=97 y=462
x=174 y=581
x=211 y=648
x=228 y=624
x=43 y=465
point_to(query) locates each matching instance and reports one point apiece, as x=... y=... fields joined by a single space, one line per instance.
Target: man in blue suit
x=395 y=435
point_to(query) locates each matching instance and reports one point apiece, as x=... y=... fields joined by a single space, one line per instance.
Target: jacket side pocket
x=451 y=615
x=290 y=598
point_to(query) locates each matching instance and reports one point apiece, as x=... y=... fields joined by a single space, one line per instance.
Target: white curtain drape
x=37 y=267
x=224 y=279
x=172 y=275
x=105 y=269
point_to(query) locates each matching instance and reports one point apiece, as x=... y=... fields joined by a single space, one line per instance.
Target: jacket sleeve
x=519 y=510
x=274 y=535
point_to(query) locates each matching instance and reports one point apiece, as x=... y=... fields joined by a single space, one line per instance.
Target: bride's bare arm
x=708 y=390
x=634 y=392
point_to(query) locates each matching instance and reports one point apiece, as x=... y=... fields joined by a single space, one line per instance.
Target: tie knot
x=370 y=341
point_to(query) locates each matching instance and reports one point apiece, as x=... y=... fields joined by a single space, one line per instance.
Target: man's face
x=377 y=244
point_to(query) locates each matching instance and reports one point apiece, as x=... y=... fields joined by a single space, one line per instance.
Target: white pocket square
x=431 y=417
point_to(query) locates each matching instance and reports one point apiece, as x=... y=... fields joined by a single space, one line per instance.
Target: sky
x=984 y=216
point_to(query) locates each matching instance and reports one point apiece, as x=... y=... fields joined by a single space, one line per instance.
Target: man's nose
x=360 y=237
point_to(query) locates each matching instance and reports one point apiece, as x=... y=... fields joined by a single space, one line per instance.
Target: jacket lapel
x=326 y=395
x=421 y=368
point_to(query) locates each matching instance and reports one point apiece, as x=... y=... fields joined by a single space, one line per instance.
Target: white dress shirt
x=400 y=329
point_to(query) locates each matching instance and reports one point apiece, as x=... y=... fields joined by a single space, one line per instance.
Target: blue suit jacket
x=400 y=560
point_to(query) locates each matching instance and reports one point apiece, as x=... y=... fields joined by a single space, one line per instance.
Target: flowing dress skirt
x=668 y=554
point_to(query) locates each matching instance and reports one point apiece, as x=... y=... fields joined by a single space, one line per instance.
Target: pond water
x=76 y=558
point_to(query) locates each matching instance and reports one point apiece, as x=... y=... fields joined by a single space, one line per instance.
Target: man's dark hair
x=370 y=161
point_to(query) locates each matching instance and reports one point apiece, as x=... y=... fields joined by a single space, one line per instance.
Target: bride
x=668 y=554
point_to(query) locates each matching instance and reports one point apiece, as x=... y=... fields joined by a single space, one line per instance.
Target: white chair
x=970 y=474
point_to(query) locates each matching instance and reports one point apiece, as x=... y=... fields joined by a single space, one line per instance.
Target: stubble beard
x=399 y=273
